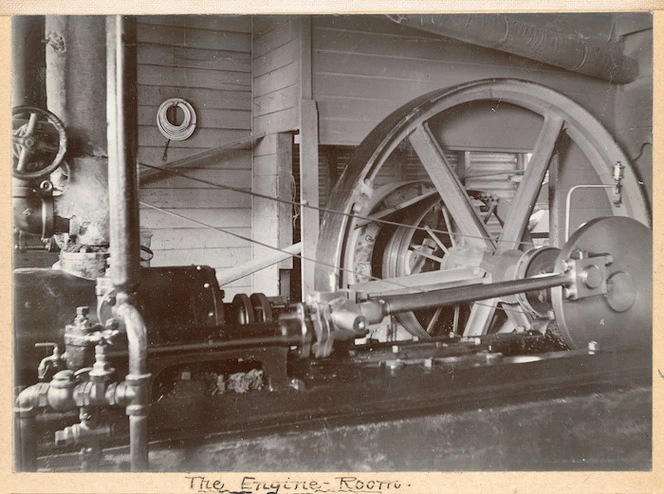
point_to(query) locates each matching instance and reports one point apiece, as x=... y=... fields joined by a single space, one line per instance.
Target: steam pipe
x=28 y=61
x=122 y=145
x=25 y=411
x=509 y=34
x=124 y=220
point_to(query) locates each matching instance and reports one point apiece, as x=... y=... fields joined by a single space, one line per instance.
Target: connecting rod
x=355 y=317
x=395 y=304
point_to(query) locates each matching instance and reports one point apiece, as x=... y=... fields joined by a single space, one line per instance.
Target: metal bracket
x=589 y=276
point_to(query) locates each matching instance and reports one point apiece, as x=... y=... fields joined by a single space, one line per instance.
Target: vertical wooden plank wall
x=275 y=101
x=207 y=61
x=634 y=111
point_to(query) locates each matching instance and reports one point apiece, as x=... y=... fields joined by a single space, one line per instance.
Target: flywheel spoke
x=449 y=187
x=481 y=315
x=526 y=194
x=435 y=238
x=434 y=320
x=419 y=252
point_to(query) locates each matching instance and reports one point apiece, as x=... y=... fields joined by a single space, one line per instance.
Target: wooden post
x=271 y=221
x=308 y=159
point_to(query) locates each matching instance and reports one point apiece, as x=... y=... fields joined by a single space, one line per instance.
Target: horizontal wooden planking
x=281 y=99
x=367 y=24
x=176 y=56
x=230 y=178
x=275 y=38
x=446 y=72
x=222 y=218
x=277 y=58
x=357 y=108
x=194 y=38
x=205 y=118
x=282 y=121
x=201 y=138
x=233 y=23
x=233 y=159
x=195 y=198
x=198 y=97
x=414 y=48
x=197 y=238
x=355 y=120
x=219 y=257
x=156 y=75
x=277 y=79
x=344 y=132
x=265 y=23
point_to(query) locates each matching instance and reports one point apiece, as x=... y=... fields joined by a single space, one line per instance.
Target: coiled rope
x=176 y=132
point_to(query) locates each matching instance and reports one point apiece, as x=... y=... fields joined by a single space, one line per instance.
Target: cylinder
x=510 y=34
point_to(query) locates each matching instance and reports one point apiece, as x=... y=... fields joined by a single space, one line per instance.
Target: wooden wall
x=364 y=67
x=276 y=73
x=207 y=61
x=276 y=97
x=633 y=105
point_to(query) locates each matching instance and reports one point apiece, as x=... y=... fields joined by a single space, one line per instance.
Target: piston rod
x=377 y=308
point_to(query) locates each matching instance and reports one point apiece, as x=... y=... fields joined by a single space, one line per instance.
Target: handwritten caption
x=255 y=485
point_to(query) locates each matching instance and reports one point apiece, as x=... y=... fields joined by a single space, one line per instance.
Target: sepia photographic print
x=300 y=245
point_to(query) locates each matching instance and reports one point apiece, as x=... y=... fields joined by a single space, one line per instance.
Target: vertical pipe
x=122 y=144
x=27 y=436
x=124 y=219
x=28 y=61
x=138 y=448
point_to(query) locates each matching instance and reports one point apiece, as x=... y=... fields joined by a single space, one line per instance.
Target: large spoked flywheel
x=440 y=230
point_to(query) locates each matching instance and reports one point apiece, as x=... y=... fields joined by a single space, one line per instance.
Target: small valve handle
x=48 y=344
x=49 y=363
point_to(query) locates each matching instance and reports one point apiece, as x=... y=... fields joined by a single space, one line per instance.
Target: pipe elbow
x=136 y=337
x=31 y=399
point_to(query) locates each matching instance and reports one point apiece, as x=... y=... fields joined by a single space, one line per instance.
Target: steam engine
x=103 y=335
